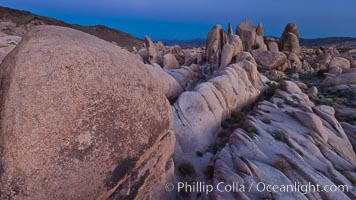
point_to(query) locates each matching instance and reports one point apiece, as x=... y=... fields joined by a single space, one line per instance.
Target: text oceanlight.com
x=202 y=187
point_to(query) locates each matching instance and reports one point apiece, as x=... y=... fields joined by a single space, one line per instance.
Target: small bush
x=266 y=121
x=351 y=178
x=279 y=136
x=199 y=153
x=218 y=147
x=237 y=116
x=291 y=103
x=321 y=73
x=324 y=101
x=282 y=165
x=269 y=92
x=280 y=105
x=251 y=131
x=295 y=98
x=209 y=171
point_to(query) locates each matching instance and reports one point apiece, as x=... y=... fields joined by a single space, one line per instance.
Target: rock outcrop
x=251 y=37
x=272 y=44
x=80 y=119
x=8 y=38
x=340 y=79
x=247 y=32
x=289 y=40
x=165 y=82
x=214 y=44
x=170 y=61
x=259 y=41
x=284 y=141
x=187 y=76
x=153 y=53
x=339 y=62
x=198 y=113
x=270 y=59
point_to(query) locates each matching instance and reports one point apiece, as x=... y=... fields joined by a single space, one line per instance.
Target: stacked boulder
x=252 y=37
x=247 y=32
x=168 y=57
x=289 y=41
x=230 y=51
x=272 y=44
x=259 y=41
x=215 y=42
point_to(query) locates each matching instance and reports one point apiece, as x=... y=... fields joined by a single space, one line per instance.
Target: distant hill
x=109 y=34
x=126 y=40
x=185 y=43
x=339 y=42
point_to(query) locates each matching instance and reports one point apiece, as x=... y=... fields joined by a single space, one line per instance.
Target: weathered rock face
x=259 y=41
x=155 y=52
x=246 y=56
x=226 y=55
x=295 y=62
x=170 y=61
x=272 y=44
x=350 y=132
x=198 y=113
x=214 y=44
x=193 y=56
x=165 y=82
x=81 y=120
x=230 y=32
x=247 y=32
x=269 y=59
x=341 y=62
x=151 y=48
x=287 y=140
x=187 y=76
x=289 y=40
x=230 y=51
x=7 y=41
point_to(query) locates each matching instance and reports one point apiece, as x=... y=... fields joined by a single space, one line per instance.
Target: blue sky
x=189 y=19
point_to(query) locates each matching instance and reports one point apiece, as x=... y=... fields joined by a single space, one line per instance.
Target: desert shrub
x=269 y=92
x=266 y=121
x=351 y=178
x=199 y=153
x=251 y=131
x=321 y=73
x=186 y=169
x=279 y=136
x=218 y=146
x=209 y=171
x=282 y=165
x=236 y=116
x=324 y=101
x=290 y=102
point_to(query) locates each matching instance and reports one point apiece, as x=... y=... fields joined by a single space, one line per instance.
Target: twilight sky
x=189 y=19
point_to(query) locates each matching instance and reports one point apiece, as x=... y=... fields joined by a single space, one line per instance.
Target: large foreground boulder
x=80 y=119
